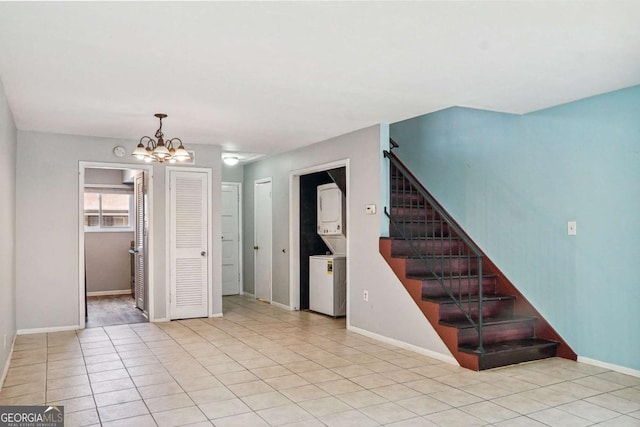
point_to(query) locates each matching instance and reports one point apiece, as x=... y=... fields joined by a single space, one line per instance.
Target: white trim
x=216 y=315
x=82 y=165
x=167 y=202
x=108 y=230
x=103 y=293
x=430 y=353
x=108 y=186
x=5 y=370
x=240 y=233
x=160 y=319
x=282 y=306
x=255 y=183
x=48 y=330
x=294 y=228
x=611 y=366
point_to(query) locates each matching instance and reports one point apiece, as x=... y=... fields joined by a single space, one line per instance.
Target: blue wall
x=514 y=181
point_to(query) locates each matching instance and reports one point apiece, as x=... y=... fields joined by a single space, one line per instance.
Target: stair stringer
x=449 y=335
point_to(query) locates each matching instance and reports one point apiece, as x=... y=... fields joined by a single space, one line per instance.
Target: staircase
x=481 y=317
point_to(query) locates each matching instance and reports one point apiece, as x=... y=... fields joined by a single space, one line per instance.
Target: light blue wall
x=513 y=182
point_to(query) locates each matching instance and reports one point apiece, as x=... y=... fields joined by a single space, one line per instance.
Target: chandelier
x=152 y=150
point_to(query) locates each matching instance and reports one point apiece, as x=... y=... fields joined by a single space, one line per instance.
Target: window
x=108 y=209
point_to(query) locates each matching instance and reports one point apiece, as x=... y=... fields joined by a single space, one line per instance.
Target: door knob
x=203 y=253
x=255 y=248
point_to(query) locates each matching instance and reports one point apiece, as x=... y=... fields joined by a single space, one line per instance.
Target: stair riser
x=444 y=267
x=398 y=184
x=406 y=198
x=464 y=286
x=497 y=333
x=426 y=247
x=407 y=213
x=419 y=229
x=496 y=308
x=514 y=357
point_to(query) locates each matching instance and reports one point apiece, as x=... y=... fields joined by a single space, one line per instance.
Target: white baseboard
x=216 y=315
x=160 y=319
x=5 y=370
x=406 y=346
x=103 y=293
x=282 y=306
x=611 y=366
x=247 y=294
x=47 y=330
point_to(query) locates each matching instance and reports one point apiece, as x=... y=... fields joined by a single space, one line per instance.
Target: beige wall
x=8 y=147
x=107 y=261
x=390 y=311
x=47 y=225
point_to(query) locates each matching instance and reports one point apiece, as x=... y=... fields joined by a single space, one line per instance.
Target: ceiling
x=266 y=77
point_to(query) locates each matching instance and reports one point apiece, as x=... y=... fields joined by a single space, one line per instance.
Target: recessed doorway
x=302 y=225
x=114 y=229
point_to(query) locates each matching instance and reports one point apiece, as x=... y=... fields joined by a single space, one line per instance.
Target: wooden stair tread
x=438 y=256
x=427 y=277
x=474 y=299
x=425 y=239
x=487 y=321
x=509 y=346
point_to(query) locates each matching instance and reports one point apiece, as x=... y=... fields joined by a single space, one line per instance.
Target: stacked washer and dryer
x=328 y=273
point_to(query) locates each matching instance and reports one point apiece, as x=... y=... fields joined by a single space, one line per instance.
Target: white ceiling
x=267 y=77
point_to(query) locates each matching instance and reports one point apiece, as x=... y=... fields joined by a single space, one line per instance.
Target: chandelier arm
x=171 y=141
x=148 y=141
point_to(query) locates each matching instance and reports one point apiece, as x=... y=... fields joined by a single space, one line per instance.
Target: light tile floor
x=263 y=366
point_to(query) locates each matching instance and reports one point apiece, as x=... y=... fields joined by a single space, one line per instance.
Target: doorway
x=114 y=237
x=262 y=248
x=231 y=238
x=301 y=238
x=310 y=241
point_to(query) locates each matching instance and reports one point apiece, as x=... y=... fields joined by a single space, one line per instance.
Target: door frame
x=240 y=233
x=294 y=227
x=167 y=205
x=82 y=166
x=255 y=293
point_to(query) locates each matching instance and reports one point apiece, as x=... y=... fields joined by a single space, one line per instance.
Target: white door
x=230 y=239
x=262 y=239
x=189 y=205
x=139 y=272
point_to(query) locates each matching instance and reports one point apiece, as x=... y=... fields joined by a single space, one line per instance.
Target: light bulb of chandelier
x=140 y=152
x=181 y=154
x=161 y=151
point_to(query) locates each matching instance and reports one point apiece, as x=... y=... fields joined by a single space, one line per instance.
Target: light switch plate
x=371 y=209
x=571 y=228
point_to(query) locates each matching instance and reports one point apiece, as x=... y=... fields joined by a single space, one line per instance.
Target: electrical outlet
x=365 y=295
x=572 y=228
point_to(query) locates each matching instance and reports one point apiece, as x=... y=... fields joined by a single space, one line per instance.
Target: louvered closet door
x=189 y=272
x=139 y=277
